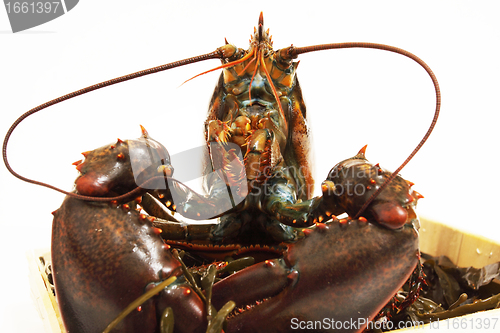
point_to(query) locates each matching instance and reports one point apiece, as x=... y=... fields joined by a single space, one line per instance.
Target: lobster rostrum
x=115 y=236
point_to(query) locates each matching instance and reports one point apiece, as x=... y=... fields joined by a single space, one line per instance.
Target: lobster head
x=120 y=167
x=356 y=180
x=262 y=74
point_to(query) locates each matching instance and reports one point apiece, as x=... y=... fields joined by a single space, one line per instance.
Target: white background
x=354 y=97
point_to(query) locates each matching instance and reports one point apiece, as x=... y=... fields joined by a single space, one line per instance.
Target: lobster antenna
x=292 y=52
x=207 y=56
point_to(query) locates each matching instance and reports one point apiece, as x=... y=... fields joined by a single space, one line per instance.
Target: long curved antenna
x=212 y=55
x=293 y=52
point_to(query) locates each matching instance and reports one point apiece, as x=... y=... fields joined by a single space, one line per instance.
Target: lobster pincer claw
x=106 y=254
x=120 y=167
x=118 y=253
x=340 y=271
x=354 y=181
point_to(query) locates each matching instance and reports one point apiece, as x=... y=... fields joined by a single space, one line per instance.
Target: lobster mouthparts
x=339 y=269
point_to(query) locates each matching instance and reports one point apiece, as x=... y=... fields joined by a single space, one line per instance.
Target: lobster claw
x=107 y=255
x=107 y=171
x=340 y=268
x=355 y=180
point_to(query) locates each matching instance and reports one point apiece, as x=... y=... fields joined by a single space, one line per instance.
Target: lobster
x=115 y=237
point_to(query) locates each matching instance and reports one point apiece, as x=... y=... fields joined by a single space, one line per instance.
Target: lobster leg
x=348 y=186
x=281 y=203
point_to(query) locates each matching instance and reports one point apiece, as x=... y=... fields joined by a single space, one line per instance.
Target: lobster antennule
x=273 y=88
x=229 y=64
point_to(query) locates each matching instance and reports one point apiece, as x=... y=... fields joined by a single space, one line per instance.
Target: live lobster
x=116 y=237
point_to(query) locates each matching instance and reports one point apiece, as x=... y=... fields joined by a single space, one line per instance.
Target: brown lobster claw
x=339 y=274
x=356 y=180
